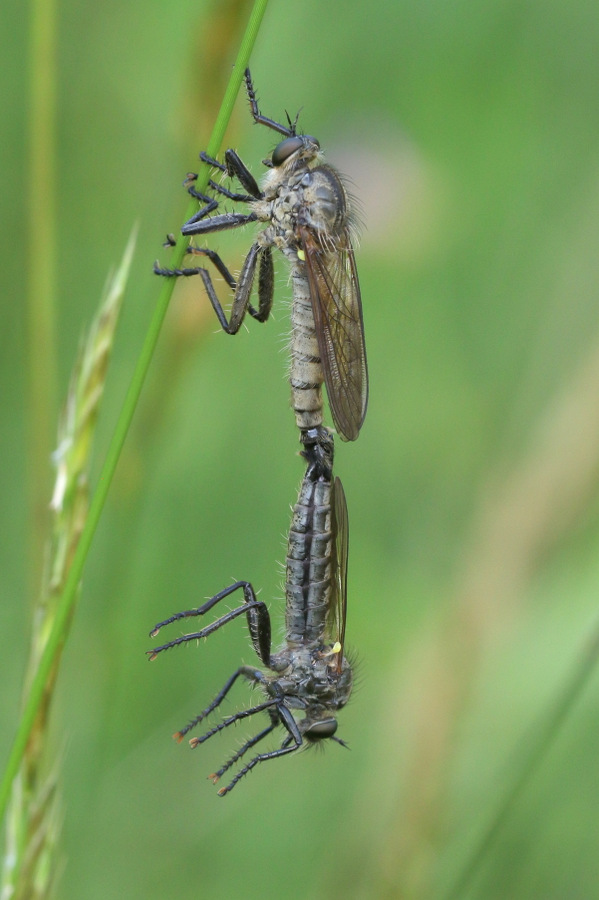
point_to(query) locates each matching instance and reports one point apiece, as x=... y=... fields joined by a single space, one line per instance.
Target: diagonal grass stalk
x=33 y=822
x=68 y=596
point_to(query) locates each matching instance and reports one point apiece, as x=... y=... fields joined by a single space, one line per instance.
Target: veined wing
x=340 y=529
x=337 y=310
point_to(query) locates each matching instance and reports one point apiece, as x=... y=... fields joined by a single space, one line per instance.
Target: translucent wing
x=340 y=529
x=337 y=310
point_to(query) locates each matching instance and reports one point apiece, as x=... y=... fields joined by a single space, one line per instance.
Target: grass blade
x=67 y=598
x=33 y=822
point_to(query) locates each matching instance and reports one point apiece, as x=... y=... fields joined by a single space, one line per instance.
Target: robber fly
x=309 y=679
x=309 y=218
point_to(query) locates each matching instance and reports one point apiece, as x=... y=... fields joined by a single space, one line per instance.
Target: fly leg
x=209 y=160
x=241 y=299
x=232 y=720
x=210 y=204
x=263 y=120
x=251 y=742
x=230 y=195
x=255 y=610
x=251 y=674
x=291 y=743
x=200 y=223
x=279 y=714
x=242 y=286
x=198 y=251
x=234 y=167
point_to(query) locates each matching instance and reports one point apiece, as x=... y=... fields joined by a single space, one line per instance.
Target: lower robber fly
x=309 y=218
x=309 y=679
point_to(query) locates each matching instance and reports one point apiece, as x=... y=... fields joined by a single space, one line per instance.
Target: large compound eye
x=284 y=150
x=326 y=728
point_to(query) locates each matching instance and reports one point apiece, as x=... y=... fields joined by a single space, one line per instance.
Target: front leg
x=234 y=167
x=216 y=223
x=257 y=115
x=255 y=676
x=230 y=195
x=251 y=742
x=292 y=742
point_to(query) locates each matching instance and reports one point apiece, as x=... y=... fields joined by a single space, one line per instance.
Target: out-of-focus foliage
x=471 y=132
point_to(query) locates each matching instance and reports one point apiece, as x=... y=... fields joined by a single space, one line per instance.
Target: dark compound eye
x=284 y=150
x=324 y=729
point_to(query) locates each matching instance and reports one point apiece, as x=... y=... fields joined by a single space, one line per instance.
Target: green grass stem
x=69 y=593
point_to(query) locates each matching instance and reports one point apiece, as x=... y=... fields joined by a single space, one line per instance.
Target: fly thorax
x=263 y=209
x=277 y=179
x=305 y=664
x=285 y=211
x=312 y=680
x=324 y=202
x=275 y=236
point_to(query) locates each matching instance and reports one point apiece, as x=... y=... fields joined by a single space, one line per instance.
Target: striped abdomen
x=309 y=554
x=306 y=367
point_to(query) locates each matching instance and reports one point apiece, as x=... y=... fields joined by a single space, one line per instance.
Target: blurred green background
x=471 y=132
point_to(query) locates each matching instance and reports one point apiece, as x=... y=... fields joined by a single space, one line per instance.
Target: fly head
x=293 y=150
x=318 y=731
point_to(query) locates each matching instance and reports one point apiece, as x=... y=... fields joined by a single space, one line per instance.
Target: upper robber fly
x=308 y=217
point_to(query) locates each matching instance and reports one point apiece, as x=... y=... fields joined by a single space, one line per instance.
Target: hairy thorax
x=310 y=198
x=314 y=679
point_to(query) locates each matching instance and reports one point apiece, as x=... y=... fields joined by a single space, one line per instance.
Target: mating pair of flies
x=307 y=214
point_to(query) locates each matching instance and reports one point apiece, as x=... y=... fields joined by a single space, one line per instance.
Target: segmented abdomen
x=306 y=366
x=308 y=581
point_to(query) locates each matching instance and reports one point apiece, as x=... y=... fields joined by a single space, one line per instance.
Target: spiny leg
x=238 y=169
x=251 y=742
x=266 y=286
x=257 y=115
x=265 y=276
x=234 y=167
x=219 y=188
x=197 y=251
x=232 y=720
x=261 y=256
x=210 y=203
x=216 y=262
x=242 y=287
x=293 y=738
x=251 y=674
x=210 y=161
x=243 y=290
x=230 y=195
x=217 y=223
x=257 y=614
